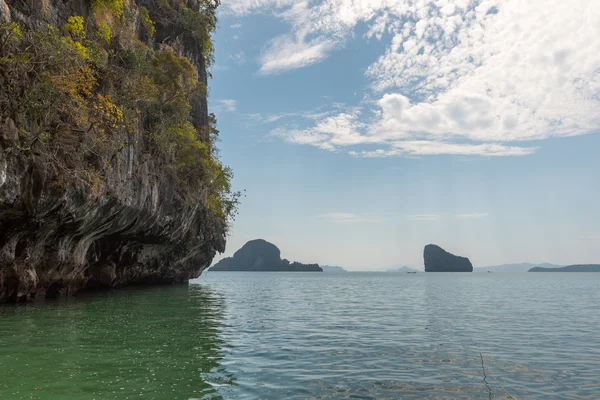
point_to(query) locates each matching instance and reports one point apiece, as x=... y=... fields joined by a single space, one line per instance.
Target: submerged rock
x=439 y=260
x=260 y=255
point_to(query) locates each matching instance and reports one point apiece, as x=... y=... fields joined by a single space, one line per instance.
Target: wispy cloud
x=285 y=52
x=239 y=58
x=471 y=215
x=313 y=115
x=236 y=26
x=463 y=77
x=423 y=217
x=244 y=7
x=429 y=147
x=228 y=105
x=348 y=218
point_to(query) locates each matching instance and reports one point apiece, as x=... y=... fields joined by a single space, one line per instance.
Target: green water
x=275 y=336
x=157 y=343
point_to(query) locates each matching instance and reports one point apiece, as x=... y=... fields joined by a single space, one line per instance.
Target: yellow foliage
x=104 y=32
x=80 y=50
x=114 y=6
x=106 y=114
x=74 y=26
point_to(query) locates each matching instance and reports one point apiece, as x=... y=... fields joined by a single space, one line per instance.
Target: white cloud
x=347 y=130
x=329 y=132
x=285 y=52
x=457 y=77
x=244 y=7
x=348 y=218
x=428 y=148
x=423 y=217
x=228 y=105
x=236 y=26
x=471 y=215
x=313 y=115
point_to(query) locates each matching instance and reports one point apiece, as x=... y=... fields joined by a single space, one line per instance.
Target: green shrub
x=114 y=6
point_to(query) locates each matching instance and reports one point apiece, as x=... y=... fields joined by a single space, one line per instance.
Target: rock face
x=439 y=260
x=570 y=268
x=260 y=255
x=58 y=235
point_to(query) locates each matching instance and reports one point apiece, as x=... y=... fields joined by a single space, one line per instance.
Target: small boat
x=411 y=272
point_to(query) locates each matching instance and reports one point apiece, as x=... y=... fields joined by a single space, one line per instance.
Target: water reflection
x=157 y=343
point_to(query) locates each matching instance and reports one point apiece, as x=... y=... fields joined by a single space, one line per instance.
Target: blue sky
x=362 y=131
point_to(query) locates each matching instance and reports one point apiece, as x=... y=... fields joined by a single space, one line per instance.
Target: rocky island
x=260 y=255
x=439 y=260
x=570 y=268
x=109 y=175
x=332 y=269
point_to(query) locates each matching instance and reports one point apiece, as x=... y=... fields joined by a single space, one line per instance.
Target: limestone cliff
x=107 y=168
x=439 y=260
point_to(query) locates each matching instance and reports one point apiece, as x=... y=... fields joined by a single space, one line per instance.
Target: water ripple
x=312 y=336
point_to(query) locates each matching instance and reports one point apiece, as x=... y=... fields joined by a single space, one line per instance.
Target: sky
x=360 y=131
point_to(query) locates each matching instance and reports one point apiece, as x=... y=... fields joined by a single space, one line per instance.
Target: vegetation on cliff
x=77 y=92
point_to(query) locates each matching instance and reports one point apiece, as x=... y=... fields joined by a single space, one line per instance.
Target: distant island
x=439 y=260
x=522 y=267
x=331 y=268
x=401 y=269
x=570 y=268
x=260 y=255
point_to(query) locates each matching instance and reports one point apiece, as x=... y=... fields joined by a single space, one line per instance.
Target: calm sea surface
x=312 y=336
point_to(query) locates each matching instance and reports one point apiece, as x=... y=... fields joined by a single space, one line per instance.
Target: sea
x=233 y=335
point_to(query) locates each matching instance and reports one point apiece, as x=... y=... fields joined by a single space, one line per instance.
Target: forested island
x=260 y=255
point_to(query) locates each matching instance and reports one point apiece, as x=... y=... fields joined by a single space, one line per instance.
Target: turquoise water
x=312 y=336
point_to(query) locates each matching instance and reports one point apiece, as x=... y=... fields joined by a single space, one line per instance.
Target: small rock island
x=439 y=260
x=260 y=255
x=569 y=268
